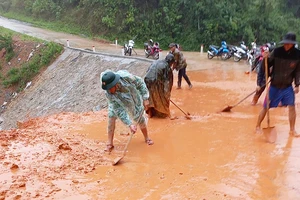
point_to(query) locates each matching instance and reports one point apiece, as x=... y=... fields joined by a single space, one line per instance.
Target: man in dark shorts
x=285 y=63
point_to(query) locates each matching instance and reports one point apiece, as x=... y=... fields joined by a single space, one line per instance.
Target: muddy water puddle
x=215 y=155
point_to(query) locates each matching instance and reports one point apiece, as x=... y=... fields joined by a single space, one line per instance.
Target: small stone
x=75 y=181
x=14 y=166
x=64 y=146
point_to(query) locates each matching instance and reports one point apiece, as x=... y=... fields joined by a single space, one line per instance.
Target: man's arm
x=116 y=110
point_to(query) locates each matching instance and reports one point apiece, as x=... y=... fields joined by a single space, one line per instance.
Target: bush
x=31 y=68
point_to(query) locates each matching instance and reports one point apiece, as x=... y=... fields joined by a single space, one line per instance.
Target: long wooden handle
x=267 y=87
x=131 y=134
x=178 y=107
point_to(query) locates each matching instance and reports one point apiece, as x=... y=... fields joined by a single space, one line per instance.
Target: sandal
x=149 y=142
x=109 y=148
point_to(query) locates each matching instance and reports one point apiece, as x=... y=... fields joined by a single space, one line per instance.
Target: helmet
x=151 y=40
x=223 y=43
x=169 y=58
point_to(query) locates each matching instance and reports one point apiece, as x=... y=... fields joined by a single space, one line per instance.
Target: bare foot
x=149 y=142
x=174 y=117
x=294 y=133
x=258 y=130
x=109 y=148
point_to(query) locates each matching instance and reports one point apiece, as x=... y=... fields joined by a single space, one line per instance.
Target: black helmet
x=169 y=58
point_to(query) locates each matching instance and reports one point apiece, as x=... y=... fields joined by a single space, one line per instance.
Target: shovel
x=187 y=114
x=117 y=160
x=270 y=131
x=228 y=108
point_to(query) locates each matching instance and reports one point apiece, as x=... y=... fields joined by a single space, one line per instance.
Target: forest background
x=187 y=22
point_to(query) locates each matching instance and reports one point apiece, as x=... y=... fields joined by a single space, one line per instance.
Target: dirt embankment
x=71 y=83
x=23 y=52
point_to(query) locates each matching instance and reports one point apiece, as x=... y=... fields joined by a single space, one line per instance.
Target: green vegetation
x=20 y=76
x=188 y=22
x=7 y=44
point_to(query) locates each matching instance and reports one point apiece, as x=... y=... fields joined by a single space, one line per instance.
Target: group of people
x=129 y=95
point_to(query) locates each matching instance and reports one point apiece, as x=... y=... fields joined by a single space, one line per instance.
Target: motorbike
x=128 y=48
x=152 y=50
x=240 y=53
x=217 y=51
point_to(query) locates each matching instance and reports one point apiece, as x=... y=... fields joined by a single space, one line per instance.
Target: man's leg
x=292 y=117
x=257 y=95
x=186 y=77
x=179 y=79
x=261 y=117
x=110 y=133
x=289 y=100
x=292 y=120
x=144 y=130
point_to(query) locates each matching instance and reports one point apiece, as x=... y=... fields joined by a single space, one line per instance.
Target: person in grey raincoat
x=127 y=97
x=159 y=81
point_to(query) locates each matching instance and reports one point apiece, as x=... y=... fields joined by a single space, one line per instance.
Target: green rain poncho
x=159 y=81
x=127 y=102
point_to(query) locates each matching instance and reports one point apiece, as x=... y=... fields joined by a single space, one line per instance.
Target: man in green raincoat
x=127 y=97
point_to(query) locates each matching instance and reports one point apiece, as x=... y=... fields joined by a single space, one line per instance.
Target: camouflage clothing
x=127 y=101
x=179 y=59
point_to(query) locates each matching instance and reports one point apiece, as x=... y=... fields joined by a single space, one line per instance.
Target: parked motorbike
x=152 y=50
x=128 y=48
x=240 y=53
x=217 y=51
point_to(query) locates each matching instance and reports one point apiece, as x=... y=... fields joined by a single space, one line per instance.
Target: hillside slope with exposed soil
x=23 y=51
x=70 y=84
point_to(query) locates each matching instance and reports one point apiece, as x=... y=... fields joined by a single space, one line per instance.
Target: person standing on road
x=260 y=81
x=285 y=63
x=127 y=97
x=180 y=65
x=159 y=81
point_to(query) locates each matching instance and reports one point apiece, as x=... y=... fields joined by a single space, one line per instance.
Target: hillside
x=22 y=51
x=71 y=83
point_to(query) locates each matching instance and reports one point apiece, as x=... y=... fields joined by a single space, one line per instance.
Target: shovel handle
x=267 y=87
x=179 y=108
x=131 y=134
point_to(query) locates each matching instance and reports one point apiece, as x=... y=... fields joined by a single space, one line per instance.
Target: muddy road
x=58 y=153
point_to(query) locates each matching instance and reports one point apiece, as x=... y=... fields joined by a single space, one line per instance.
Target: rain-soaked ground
x=215 y=155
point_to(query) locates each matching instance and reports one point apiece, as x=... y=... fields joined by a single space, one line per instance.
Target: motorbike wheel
x=209 y=56
x=224 y=56
x=236 y=59
x=130 y=51
x=146 y=53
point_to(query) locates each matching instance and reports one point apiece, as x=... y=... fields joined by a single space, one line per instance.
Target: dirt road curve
x=57 y=151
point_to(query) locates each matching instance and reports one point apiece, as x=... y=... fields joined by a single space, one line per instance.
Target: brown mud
x=215 y=155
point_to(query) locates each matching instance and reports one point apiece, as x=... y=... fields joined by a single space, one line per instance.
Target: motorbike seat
x=214 y=46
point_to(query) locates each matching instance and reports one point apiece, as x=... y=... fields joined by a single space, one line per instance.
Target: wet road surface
x=214 y=155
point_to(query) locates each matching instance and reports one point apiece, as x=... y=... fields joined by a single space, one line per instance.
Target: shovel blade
x=227 y=109
x=270 y=134
x=117 y=160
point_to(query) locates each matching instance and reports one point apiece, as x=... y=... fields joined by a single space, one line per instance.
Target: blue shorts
x=284 y=96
